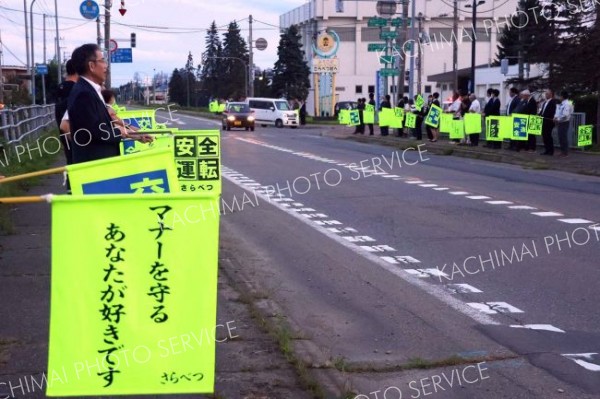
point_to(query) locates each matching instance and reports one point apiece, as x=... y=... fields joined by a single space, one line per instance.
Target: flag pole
x=33 y=174
x=22 y=200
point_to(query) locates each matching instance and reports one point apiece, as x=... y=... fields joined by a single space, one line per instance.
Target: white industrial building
x=357 y=66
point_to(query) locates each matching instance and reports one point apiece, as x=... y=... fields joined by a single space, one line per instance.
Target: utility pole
x=59 y=77
x=29 y=68
x=98 y=33
x=32 y=54
x=411 y=80
x=401 y=78
x=420 y=54
x=521 y=60
x=250 y=60
x=455 y=46
x=107 y=6
x=43 y=62
x=474 y=5
x=1 y=79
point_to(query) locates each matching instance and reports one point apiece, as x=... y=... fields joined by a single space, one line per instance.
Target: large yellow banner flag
x=147 y=172
x=133 y=309
x=143 y=119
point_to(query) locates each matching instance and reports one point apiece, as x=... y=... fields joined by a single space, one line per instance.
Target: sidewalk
x=249 y=363
x=581 y=162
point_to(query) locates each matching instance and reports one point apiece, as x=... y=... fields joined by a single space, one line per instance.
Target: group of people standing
x=555 y=111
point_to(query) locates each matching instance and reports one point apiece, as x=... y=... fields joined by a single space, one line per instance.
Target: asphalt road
x=409 y=255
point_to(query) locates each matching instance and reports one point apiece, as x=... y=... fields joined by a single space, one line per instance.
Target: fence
x=25 y=122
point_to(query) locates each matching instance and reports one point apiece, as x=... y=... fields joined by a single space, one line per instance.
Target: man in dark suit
x=528 y=106
x=492 y=108
x=93 y=134
x=547 y=112
x=513 y=103
x=385 y=103
x=62 y=97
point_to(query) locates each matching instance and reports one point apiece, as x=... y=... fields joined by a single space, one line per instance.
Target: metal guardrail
x=25 y=122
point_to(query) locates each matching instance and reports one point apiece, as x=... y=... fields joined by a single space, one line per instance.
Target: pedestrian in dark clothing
x=426 y=109
x=511 y=107
x=360 y=128
x=62 y=97
x=492 y=108
x=385 y=103
x=548 y=111
x=528 y=106
x=302 y=113
x=371 y=102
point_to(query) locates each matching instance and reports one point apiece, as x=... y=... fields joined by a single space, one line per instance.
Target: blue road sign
x=89 y=9
x=41 y=69
x=121 y=55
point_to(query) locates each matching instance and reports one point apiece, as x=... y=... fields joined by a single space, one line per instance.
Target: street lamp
x=33 y=71
x=474 y=6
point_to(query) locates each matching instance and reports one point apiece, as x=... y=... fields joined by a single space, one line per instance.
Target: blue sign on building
x=121 y=55
x=89 y=9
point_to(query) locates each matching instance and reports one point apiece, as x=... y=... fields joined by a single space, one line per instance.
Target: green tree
x=190 y=80
x=235 y=62
x=211 y=74
x=291 y=72
x=177 y=88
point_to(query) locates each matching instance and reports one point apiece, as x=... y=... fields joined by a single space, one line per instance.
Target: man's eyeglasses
x=101 y=60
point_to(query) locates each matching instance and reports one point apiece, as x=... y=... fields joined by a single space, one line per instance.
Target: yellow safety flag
x=458 y=129
x=148 y=172
x=133 y=295
x=433 y=116
x=386 y=117
x=197 y=155
x=369 y=114
x=397 y=122
x=535 y=125
x=584 y=135
x=344 y=116
x=472 y=123
x=411 y=120
x=446 y=123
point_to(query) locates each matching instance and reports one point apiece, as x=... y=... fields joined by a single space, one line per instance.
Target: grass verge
x=12 y=164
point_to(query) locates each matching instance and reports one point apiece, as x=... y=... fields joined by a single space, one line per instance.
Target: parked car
x=238 y=115
x=273 y=111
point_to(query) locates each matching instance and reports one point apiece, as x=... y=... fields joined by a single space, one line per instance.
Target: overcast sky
x=166 y=30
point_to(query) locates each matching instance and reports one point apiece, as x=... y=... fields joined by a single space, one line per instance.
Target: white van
x=273 y=111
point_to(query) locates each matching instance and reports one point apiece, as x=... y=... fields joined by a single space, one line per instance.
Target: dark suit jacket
x=492 y=107
x=548 y=115
x=529 y=107
x=512 y=105
x=62 y=98
x=91 y=128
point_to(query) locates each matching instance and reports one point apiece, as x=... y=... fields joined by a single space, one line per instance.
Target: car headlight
x=250 y=118
x=231 y=118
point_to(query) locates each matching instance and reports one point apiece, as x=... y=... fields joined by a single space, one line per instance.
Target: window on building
x=481 y=35
x=406 y=89
x=393 y=89
x=440 y=35
x=358 y=89
x=346 y=34
x=427 y=88
x=444 y=87
x=369 y=35
x=371 y=89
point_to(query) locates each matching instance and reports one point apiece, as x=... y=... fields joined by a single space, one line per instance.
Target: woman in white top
x=564 y=111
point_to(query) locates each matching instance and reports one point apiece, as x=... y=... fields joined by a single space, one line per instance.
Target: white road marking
x=477 y=197
x=494 y=307
x=540 y=327
x=575 y=221
x=547 y=214
x=441 y=189
x=432 y=289
x=525 y=207
x=428 y=185
x=498 y=202
x=404 y=259
x=378 y=248
x=459 y=193
x=426 y=273
x=463 y=289
x=414 y=182
x=582 y=360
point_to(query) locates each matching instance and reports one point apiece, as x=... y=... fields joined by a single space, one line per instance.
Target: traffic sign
x=89 y=9
x=388 y=35
x=372 y=47
x=261 y=44
x=41 y=69
x=377 y=22
x=398 y=22
x=112 y=45
x=122 y=55
x=389 y=72
x=386 y=59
